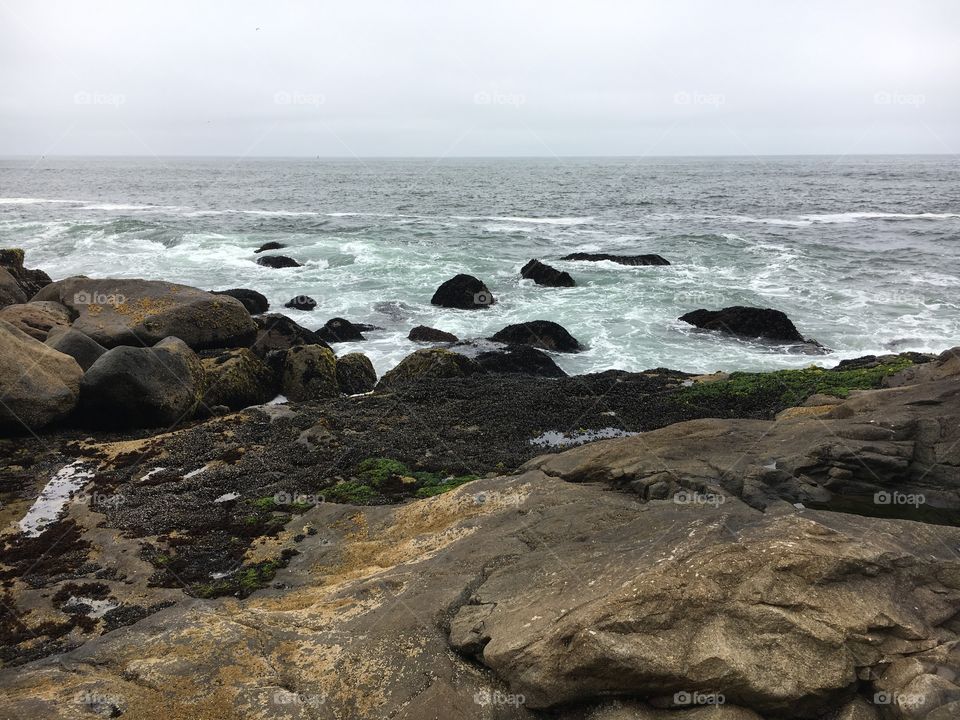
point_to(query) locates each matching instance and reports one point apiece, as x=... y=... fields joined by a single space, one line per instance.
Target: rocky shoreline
x=474 y=534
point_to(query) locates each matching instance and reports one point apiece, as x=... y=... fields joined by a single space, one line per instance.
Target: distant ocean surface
x=863 y=253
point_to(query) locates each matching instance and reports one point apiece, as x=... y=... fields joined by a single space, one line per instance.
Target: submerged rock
x=144 y=312
x=272 y=245
x=543 y=274
x=277 y=261
x=131 y=387
x=519 y=359
x=422 y=333
x=544 y=334
x=301 y=302
x=85 y=350
x=621 y=259
x=429 y=363
x=255 y=303
x=340 y=330
x=355 y=374
x=38 y=385
x=747 y=322
x=464 y=292
x=37 y=318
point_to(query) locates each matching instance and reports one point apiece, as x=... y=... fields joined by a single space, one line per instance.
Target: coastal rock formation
x=543 y=274
x=355 y=374
x=277 y=261
x=144 y=312
x=136 y=387
x=747 y=322
x=301 y=302
x=309 y=373
x=543 y=334
x=237 y=379
x=279 y=332
x=36 y=318
x=422 y=333
x=17 y=283
x=83 y=349
x=621 y=259
x=272 y=245
x=519 y=359
x=255 y=303
x=429 y=362
x=38 y=385
x=463 y=292
x=340 y=330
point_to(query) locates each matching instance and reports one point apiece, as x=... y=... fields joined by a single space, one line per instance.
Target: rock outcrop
x=38 y=385
x=301 y=302
x=544 y=334
x=36 y=318
x=83 y=349
x=137 y=387
x=422 y=333
x=309 y=373
x=256 y=303
x=543 y=274
x=747 y=322
x=429 y=363
x=339 y=330
x=463 y=292
x=277 y=261
x=236 y=379
x=17 y=283
x=279 y=332
x=620 y=259
x=519 y=359
x=355 y=374
x=272 y=245
x=144 y=312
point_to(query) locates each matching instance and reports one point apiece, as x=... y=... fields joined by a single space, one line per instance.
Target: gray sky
x=450 y=78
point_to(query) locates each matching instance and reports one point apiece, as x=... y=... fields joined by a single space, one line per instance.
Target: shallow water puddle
x=54 y=498
x=556 y=439
x=98 y=608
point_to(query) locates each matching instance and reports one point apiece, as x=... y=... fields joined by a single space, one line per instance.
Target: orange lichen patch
x=142 y=308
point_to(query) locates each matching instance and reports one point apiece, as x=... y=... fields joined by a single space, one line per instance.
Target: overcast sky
x=447 y=78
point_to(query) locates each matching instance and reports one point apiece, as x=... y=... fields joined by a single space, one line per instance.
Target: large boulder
x=277 y=261
x=237 y=378
x=543 y=334
x=279 y=332
x=340 y=330
x=429 y=363
x=309 y=373
x=464 y=292
x=747 y=322
x=422 y=333
x=37 y=318
x=621 y=259
x=519 y=360
x=38 y=385
x=144 y=312
x=17 y=283
x=137 y=387
x=85 y=350
x=355 y=374
x=255 y=303
x=543 y=274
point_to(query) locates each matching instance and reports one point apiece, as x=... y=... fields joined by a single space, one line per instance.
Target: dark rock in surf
x=543 y=334
x=463 y=292
x=272 y=245
x=749 y=322
x=355 y=374
x=422 y=333
x=301 y=302
x=519 y=360
x=278 y=261
x=278 y=332
x=340 y=330
x=255 y=303
x=621 y=259
x=543 y=274
x=16 y=281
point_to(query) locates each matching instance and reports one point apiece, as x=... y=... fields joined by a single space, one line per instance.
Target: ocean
x=863 y=253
